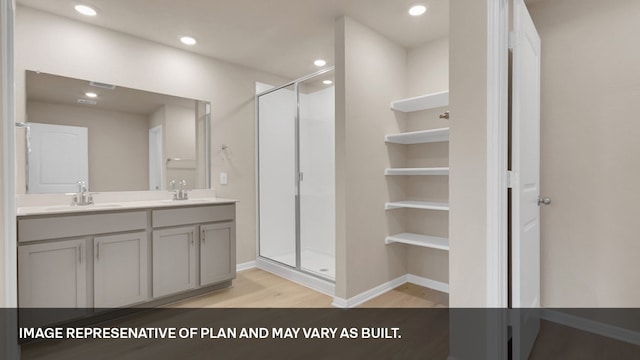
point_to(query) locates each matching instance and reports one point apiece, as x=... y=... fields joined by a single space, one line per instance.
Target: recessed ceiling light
x=91 y=94
x=327 y=82
x=417 y=9
x=319 y=63
x=86 y=10
x=188 y=40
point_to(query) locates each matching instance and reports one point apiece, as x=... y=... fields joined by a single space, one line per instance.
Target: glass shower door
x=317 y=180
x=277 y=175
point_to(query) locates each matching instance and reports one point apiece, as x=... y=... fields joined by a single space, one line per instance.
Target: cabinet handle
x=202 y=236
x=192 y=241
x=97 y=250
x=80 y=253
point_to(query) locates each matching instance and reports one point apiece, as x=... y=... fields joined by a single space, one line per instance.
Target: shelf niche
x=423 y=102
x=419 y=137
x=428 y=241
x=412 y=204
x=417 y=171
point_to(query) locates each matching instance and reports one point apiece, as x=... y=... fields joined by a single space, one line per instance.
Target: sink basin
x=58 y=208
x=80 y=207
x=106 y=206
x=183 y=201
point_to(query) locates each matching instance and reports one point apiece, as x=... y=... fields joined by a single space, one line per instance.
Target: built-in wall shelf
x=422 y=102
x=419 y=137
x=411 y=204
x=419 y=240
x=417 y=171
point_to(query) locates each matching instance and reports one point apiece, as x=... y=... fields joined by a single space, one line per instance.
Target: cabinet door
x=120 y=269
x=52 y=275
x=174 y=260
x=217 y=253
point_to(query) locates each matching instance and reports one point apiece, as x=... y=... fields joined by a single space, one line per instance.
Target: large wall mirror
x=112 y=137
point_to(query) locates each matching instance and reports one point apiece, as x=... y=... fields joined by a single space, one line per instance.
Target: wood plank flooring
x=255 y=288
x=252 y=288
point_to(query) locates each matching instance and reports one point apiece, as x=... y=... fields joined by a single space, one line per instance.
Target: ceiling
x=282 y=37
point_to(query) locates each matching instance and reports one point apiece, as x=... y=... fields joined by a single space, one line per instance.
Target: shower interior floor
x=314 y=262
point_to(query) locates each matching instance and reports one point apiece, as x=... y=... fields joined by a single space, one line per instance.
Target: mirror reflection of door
x=155 y=158
x=57 y=158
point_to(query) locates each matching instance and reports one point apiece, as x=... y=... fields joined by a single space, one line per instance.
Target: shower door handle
x=300 y=176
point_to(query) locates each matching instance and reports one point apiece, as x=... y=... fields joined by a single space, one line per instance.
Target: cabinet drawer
x=79 y=225
x=192 y=215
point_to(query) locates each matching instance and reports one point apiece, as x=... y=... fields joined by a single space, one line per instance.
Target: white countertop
x=38 y=205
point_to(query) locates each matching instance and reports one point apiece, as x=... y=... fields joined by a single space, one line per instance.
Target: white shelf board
x=419 y=137
x=411 y=204
x=423 y=102
x=417 y=171
x=419 y=240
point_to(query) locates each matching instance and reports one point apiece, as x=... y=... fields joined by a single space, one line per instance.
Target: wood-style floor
x=259 y=289
x=252 y=288
x=256 y=288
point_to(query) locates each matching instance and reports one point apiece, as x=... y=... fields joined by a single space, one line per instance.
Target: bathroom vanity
x=123 y=254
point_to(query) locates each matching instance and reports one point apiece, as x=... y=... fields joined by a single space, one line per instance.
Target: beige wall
x=468 y=153
x=116 y=58
x=590 y=151
x=371 y=72
x=113 y=165
x=428 y=68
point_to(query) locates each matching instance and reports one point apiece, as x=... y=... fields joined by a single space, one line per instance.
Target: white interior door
x=58 y=158
x=525 y=291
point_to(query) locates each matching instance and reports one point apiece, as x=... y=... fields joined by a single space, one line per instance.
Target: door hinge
x=301 y=176
x=510 y=179
x=513 y=39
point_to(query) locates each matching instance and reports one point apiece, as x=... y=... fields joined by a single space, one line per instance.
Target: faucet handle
x=172 y=185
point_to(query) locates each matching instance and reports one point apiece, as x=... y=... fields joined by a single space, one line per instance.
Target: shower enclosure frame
x=297 y=174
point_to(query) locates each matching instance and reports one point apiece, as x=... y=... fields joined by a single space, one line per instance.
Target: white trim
x=428 y=283
x=389 y=285
x=369 y=294
x=497 y=292
x=497 y=150
x=7 y=14
x=246 y=266
x=324 y=286
x=592 y=326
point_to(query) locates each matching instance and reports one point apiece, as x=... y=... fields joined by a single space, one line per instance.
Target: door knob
x=543 y=201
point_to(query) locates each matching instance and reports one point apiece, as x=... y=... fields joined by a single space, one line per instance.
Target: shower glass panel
x=316 y=162
x=277 y=171
x=296 y=180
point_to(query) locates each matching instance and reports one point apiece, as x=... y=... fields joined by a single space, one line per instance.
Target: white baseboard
x=246 y=266
x=369 y=294
x=428 y=283
x=592 y=326
x=381 y=289
x=324 y=286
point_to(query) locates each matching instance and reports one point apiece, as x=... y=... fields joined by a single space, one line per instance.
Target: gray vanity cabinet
x=86 y=261
x=174 y=260
x=192 y=247
x=56 y=268
x=53 y=275
x=120 y=269
x=216 y=240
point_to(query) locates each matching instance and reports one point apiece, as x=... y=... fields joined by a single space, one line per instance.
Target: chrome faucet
x=181 y=193
x=82 y=197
